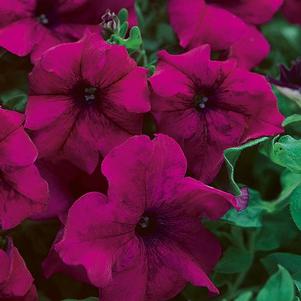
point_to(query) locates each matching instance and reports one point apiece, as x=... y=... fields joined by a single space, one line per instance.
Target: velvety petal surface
x=95 y=237
x=148 y=164
x=253 y=11
x=251 y=49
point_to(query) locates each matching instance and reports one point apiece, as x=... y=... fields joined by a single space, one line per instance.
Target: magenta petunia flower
x=16 y=282
x=250 y=49
x=147 y=230
x=251 y=11
x=66 y=184
x=85 y=98
x=22 y=190
x=32 y=26
x=209 y=106
x=224 y=25
x=292 y=11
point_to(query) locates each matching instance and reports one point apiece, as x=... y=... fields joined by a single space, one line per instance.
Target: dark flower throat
x=147 y=225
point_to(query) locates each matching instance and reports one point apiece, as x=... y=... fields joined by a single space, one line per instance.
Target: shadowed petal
x=94 y=238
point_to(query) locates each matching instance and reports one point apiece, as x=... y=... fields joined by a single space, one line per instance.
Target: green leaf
x=289 y=261
x=279 y=287
x=295 y=118
x=295 y=206
x=291 y=94
x=123 y=29
x=123 y=15
x=234 y=260
x=284 y=151
x=14 y=100
x=251 y=217
x=231 y=156
x=278 y=230
x=135 y=39
x=286 y=106
x=246 y=296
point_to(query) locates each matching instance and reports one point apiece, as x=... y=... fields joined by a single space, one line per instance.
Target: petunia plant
x=150 y=150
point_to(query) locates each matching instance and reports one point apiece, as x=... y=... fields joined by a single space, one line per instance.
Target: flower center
x=200 y=101
x=147 y=225
x=84 y=94
x=46 y=12
x=90 y=94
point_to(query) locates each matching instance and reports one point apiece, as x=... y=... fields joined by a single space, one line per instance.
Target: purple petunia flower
x=147 y=230
x=22 y=190
x=209 y=106
x=16 y=282
x=32 y=26
x=85 y=98
x=289 y=77
x=66 y=184
x=228 y=26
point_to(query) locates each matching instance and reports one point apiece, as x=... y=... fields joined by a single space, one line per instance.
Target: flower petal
x=19 y=37
x=93 y=234
x=255 y=11
x=186 y=17
x=177 y=259
x=200 y=200
x=251 y=49
x=134 y=100
x=17 y=150
x=149 y=165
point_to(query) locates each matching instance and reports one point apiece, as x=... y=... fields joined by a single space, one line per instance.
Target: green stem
x=233 y=289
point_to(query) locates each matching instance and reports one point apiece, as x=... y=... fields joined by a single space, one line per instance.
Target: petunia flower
x=23 y=192
x=66 y=184
x=85 y=98
x=209 y=106
x=289 y=83
x=250 y=49
x=226 y=26
x=251 y=11
x=289 y=77
x=147 y=230
x=16 y=282
x=32 y=26
x=292 y=11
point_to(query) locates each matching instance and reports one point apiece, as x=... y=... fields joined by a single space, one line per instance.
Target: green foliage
x=231 y=156
x=247 y=296
x=285 y=40
x=13 y=82
x=251 y=217
x=235 y=260
x=284 y=151
x=279 y=287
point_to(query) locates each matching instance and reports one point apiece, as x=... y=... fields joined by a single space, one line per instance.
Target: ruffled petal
x=93 y=234
x=146 y=163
